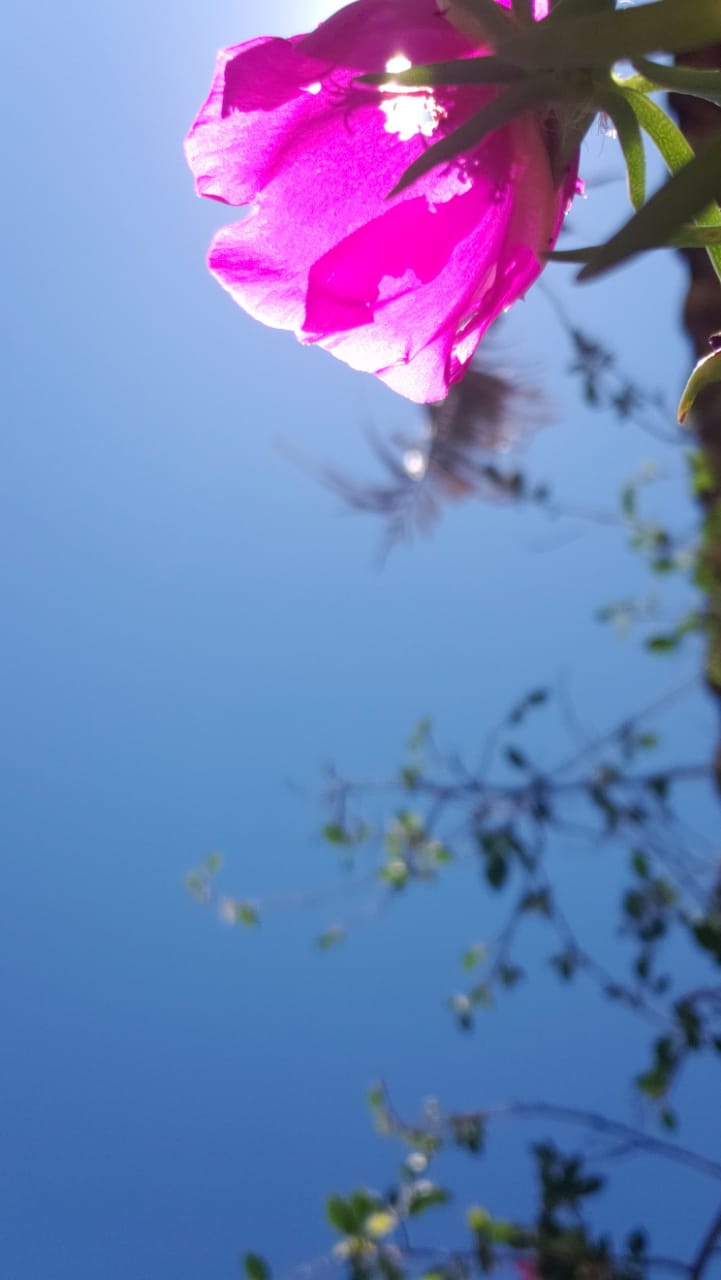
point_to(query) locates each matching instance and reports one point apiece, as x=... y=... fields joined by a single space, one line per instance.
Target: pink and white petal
x=366 y=34
x=425 y=268
x=268 y=90
x=265 y=281
x=262 y=94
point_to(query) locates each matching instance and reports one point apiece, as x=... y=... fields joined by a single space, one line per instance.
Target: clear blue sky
x=188 y=624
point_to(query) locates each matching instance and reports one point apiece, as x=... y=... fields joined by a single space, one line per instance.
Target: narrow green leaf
x=693 y=236
x=676 y=153
x=663 y=643
x=688 y=193
x=580 y=255
x=690 y=236
x=488 y=70
x=707 y=371
x=629 y=136
x=665 y=135
x=689 y=80
x=601 y=39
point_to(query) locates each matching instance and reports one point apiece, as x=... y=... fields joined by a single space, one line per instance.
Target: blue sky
x=191 y=623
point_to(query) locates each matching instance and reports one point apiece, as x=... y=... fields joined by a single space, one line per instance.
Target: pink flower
x=403 y=288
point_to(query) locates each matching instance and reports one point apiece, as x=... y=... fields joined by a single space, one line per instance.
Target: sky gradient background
x=191 y=624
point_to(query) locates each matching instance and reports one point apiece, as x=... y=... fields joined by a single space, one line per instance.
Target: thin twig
x=708 y=1246
x=635 y=1137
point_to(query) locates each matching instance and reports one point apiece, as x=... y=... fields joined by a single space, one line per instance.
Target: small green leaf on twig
x=255 y=1267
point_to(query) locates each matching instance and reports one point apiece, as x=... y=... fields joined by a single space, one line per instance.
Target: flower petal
x=401 y=288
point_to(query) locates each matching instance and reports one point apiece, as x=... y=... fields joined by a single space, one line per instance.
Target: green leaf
x=666 y=136
x=342 y=1216
x=468 y=1132
x=376 y=1096
x=497 y=870
x=455 y=71
x=362 y=1205
x=474 y=955
x=637 y=1243
x=481 y=996
x=659 y=785
x=690 y=80
x=394 y=873
x=255 y=1267
x=213 y=863
x=688 y=193
x=692 y=236
x=628 y=500
x=707 y=932
x=334 y=833
x=509 y=975
x=410 y=776
x=538 y=900
x=639 y=862
x=703 y=481
x=478 y=1218
x=528 y=93
x=655 y=1082
x=197 y=885
x=707 y=371
x=246 y=913
x=601 y=39
x=420 y=1200
x=663 y=643
x=420 y=734
x=330 y=938
x=629 y=136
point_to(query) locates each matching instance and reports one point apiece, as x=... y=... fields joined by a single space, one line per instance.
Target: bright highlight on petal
x=403 y=288
x=408 y=111
x=397 y=64
x=409 y=116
